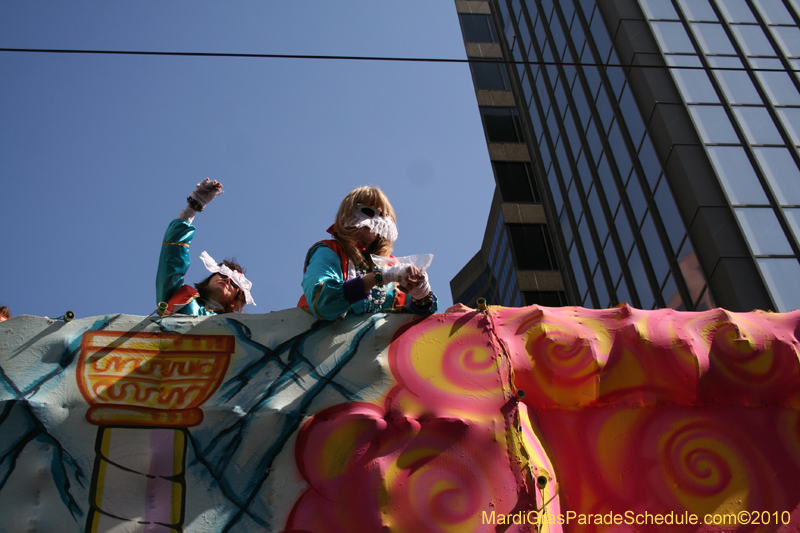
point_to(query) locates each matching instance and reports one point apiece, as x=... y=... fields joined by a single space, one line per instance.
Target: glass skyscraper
x=646 y=150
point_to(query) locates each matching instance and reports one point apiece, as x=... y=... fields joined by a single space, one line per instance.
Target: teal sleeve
x=174 y=260
x=323 y=285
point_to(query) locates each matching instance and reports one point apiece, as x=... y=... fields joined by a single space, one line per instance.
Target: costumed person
x=5 y=314
x=226 y=290
x=340 y=276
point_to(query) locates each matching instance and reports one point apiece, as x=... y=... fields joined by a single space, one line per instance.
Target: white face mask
x=376 y=220
x=237 y=277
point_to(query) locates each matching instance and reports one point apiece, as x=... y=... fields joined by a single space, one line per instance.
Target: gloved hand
x=206 y=191
x=422 y=289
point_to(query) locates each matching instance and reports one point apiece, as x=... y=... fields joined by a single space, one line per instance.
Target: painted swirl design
x=747 y=366
x=625 y=410
x=449 y=371
x=368 y=470
x=448 y=491
x=696 y=459
x=566 y=354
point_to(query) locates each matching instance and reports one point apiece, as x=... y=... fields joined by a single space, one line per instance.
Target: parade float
x=498 y=419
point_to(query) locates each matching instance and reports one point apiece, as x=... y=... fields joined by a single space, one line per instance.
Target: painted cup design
x=150 y=379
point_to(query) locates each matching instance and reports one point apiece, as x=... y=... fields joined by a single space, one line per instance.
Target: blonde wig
x=347 y=237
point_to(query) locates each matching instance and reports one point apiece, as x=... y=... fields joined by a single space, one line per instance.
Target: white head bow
x=376 y=220
x=237 y=277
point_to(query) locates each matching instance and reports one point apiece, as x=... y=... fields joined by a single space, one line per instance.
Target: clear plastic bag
x=421 y=261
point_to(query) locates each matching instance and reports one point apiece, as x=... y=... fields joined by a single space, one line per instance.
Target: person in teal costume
x=226 y=290
x=339 y=275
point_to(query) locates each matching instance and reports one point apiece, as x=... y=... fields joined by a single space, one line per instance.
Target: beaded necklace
x=375 y=299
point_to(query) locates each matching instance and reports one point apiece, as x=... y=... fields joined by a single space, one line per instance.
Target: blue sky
x=98 y=152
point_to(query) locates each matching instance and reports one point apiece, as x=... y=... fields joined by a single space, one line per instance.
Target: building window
x=510 y=293
x=673 y=38
x=793 y=217
x=506 y=271
x=782 y=173
x=790 y=117
x=736 y=11
x=655 y=251
x=545 y=298
x=713 y=39
x=640 y=281
x=672 y=298
x=713 y=124
x=788 y=38
x=695 y=86
x=738 y=87
x=502 y=124
x=700 y=11
x=763 y=231
x=532 y=246
x=670 y=217
x=737 y=175
x=757 y=125
x=776 y=272
x=753 y=40
x=600 y=289
x=490 y=75
x=515 y=182
x=478 y=28
x=659 y=10
x=779 y=87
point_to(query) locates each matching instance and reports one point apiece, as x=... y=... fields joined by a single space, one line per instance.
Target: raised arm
x=174 y=261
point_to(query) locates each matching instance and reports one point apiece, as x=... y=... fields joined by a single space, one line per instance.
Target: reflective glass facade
x=742 y=92
x=621 y=236
x=517 y=264
x=663 y=139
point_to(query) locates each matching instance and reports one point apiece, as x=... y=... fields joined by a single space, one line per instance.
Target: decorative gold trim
x=318 y=293
x=191 y=298
x=175 y=244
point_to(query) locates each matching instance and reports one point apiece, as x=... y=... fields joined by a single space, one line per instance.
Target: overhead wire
x=378 y=58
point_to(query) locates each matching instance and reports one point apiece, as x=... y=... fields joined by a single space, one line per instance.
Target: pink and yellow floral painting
x=504 y=420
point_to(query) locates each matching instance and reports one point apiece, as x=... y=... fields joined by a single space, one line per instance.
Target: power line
x=225 y=54
x=373 y=58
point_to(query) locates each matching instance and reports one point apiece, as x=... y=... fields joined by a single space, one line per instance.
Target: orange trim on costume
x=182 y=296
x=316 y=297
x=336 y=247
x=399 y=299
